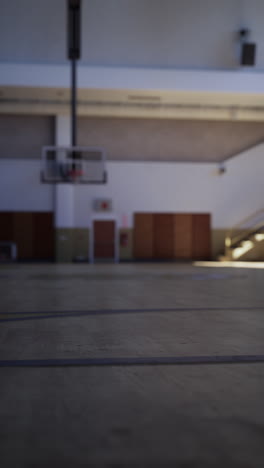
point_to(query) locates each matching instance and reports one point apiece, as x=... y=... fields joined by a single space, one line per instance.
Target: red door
x=104 y=239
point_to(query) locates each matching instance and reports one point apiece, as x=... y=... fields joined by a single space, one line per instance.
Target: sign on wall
x=102 y=205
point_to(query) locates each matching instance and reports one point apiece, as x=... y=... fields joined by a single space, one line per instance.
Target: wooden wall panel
x=104 y=239
x=163 y=240
x=201 y=232
x=33 y=233
x=183 y=236
x=6 y=227
x=165 y=236
x=23 y=235
x=143 y=236
x=43 y=236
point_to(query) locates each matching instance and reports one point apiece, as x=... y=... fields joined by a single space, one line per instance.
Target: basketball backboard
x=79 y=164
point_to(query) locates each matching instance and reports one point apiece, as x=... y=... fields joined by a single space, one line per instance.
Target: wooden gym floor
x=131 y=365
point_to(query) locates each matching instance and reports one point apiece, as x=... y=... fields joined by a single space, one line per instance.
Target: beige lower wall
x=218 y=247
x=218 y=242
x=126 y=244
x=63 y=243
x=256 y=254
x=80 y=248
x=73 y=245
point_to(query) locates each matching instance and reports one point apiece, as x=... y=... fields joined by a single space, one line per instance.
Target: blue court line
x=117 y=311
x=135 y=361
x=63 y=314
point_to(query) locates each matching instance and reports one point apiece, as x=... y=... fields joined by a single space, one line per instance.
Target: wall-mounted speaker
x=74 y=29
x=248 y=54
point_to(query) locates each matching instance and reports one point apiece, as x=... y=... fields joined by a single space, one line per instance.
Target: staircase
x=245 y=241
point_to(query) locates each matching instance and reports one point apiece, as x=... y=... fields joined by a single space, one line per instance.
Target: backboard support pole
x=73 y=102
x=78 y=164
x=74 y=35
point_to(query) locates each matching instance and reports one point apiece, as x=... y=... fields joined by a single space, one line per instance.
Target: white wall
x=159 y=187
x=134 y=33
x=20 y=187
x=33 y=31
x=180 y=187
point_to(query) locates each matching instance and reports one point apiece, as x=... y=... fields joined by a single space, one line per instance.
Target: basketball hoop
x=75 y=173
x=67 y=164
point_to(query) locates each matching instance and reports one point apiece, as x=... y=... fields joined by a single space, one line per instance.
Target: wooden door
x=183 y=236
x=143 y=236
x=163 y=241
x=43 y=236
x=201 y=234
x=104 y=239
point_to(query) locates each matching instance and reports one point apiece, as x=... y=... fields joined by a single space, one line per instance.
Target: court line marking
x=52 y=314
x=135 y=361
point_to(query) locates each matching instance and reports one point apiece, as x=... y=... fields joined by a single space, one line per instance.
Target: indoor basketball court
x=131 y=234
x=131 y=365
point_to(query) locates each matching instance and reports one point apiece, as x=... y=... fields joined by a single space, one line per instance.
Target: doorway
x=104 y=241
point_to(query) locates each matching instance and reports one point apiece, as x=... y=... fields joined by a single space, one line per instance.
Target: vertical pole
x=74 y=34
x=73 y=103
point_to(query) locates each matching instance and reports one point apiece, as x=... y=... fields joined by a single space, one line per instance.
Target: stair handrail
x=232 y=237
x=248 y=233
